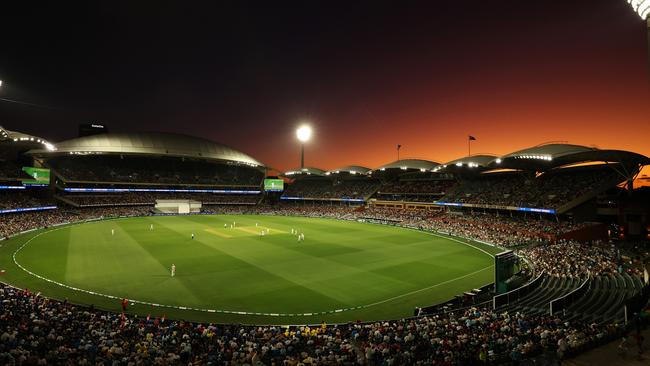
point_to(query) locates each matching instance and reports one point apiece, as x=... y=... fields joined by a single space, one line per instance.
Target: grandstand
x=350 y=184
x=581 y=276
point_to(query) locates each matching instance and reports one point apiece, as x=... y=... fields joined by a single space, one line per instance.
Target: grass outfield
x=343 y=271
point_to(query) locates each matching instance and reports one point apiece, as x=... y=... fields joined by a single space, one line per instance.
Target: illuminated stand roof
x=24 y=139
x=549 y=156
x=304 y=172
x=477 y=162
x=150 y=143
x=349 y=169
x=410 y=164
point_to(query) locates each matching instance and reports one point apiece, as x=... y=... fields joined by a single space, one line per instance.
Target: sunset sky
x=367 y=76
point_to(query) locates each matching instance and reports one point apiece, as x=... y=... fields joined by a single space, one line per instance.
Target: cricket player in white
x=192 y=236
x=173 y=270
x=151 y=227
x=112 y=231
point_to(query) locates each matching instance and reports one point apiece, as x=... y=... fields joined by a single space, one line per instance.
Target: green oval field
x=342 y=271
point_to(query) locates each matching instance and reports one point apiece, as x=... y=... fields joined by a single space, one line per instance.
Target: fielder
x=173 y=270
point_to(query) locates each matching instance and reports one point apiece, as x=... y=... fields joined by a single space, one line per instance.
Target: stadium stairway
x=605 y=299
x=538 y=301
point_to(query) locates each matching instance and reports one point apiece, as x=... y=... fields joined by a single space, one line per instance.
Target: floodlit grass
x=343 y=271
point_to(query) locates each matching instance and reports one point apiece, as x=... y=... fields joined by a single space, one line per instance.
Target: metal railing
x=516 y=294
x=561 y=302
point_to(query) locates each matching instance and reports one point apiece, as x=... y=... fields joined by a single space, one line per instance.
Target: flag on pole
x=471 y=138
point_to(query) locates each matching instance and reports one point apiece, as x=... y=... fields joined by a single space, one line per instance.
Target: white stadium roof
x=150 y=143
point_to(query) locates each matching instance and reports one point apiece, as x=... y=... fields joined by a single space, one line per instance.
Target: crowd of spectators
x=10 y=169
x=172 y=171
x=39 y=331
x=549 y=190
x=149 y=198
x=11 y=224
x=573 y=259
x=502 y=230
x=417 y=186
x=325 y=188
x=10 y=199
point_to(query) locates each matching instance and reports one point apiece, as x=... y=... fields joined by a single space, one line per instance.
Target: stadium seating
x=165 y=171
x=324 y=188
x=41 y=331
x=428 y=190
x=10 y=199
x=550 y=190
x=149 y=198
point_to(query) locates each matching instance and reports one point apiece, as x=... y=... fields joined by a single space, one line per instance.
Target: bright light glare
x=642 y=7
x=0 y=82
x=49 y=147
x=303 y=133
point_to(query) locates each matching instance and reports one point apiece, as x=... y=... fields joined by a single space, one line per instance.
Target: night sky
x=368 y=75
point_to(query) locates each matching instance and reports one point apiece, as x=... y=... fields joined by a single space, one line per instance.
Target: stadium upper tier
x=152 y=170
x=149 y=143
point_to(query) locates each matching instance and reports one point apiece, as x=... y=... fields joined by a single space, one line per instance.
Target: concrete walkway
x=609 y=354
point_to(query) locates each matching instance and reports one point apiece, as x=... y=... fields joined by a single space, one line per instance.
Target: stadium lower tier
x=150 y=198
x=37 y=330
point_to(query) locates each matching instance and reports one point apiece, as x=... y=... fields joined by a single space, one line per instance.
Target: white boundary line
x=245 y=312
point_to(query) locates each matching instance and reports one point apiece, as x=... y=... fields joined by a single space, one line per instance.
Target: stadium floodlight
x=0 y=83
x=304 y=134
x=642 y=7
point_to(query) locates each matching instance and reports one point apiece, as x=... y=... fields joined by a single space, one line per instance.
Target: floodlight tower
x=304 y=134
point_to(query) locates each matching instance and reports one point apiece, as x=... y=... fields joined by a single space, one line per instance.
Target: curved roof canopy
x=25 y=139
x=151 y=143
x=304 y=171
x=406 y=164
x=544 y=157
x=475 y=162
x=351 y=169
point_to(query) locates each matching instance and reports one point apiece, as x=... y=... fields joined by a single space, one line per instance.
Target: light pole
x=304 y=134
